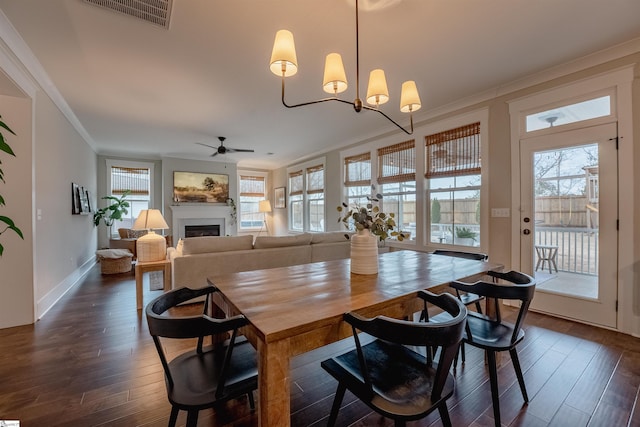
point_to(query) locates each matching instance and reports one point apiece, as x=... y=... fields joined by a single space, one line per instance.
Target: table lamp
x=151 y=246
x=264 y=206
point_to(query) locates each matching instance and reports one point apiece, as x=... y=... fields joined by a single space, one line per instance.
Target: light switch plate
x=500 y=213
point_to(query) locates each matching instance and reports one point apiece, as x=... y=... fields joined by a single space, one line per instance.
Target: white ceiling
x=140 y=89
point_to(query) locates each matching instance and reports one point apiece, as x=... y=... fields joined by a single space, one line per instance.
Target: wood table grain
x=296 y=309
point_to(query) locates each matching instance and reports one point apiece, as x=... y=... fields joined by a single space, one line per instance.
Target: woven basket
x=115 y=265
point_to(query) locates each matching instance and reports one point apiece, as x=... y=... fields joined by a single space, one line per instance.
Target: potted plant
x=370 y=218
x=371 y=225
x=114 y=212
x=7 y=222
x=465 y=236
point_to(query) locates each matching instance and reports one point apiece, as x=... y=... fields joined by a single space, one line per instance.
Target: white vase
x=364 y=253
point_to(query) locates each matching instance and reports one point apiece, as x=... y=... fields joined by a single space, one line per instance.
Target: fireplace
x=201 y=230
x=208 y=220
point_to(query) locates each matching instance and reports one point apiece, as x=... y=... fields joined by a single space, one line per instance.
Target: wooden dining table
x=292 y=310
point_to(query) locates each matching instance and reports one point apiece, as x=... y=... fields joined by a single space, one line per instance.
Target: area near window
x=306 y=197
x=397 y=180
x=453 y=185
x=252 y=191
x=135 y=177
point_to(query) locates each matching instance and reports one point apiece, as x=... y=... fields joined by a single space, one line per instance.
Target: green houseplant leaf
x=6 y=221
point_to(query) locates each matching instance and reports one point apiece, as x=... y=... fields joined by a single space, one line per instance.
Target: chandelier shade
x=335 y=79
x=409 y=98
x=284 y=61
x=377 y=92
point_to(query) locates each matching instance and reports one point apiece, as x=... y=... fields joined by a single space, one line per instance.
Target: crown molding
x=25 y=57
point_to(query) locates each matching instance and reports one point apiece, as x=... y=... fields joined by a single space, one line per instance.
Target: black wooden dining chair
x=393 y=379
x=493 y=334
x=466 y=297
x=204 y=376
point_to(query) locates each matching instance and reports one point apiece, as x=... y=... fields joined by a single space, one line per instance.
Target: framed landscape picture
x=280 y=199
x=198 y=187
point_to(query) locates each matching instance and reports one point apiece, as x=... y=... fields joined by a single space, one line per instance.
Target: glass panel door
x=569 y=212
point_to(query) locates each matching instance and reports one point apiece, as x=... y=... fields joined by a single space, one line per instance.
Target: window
x=252 y=187
x=397 y=179
x=572 y=113
x=296 y=201
x=453 y=170
x=357 y=179
x=306 y=198
x=315 y=196
x=135 y=177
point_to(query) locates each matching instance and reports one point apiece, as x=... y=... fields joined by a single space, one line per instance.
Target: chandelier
x=284 y=63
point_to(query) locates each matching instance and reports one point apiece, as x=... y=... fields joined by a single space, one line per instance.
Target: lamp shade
x=377 y=92
x=283 y=56
x=150 y=219
x=264 y=206
x=335 y=79
x=409 y=98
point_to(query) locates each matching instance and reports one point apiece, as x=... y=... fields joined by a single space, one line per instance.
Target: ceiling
x=140 y=89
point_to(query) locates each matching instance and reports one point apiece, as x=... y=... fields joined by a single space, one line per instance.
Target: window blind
x=296 y=186
x=357 y=170
x=397 y=163
x=134 y=179
x=315 y=179
x=454 y=152
x=252 y=186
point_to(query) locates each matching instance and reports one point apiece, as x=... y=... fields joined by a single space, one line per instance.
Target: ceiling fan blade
x=214 y=154
x=206 y=145
x=239 y=150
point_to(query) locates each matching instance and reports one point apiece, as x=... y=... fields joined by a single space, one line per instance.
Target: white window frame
x=481 y=115
x=305 y=198
x=110 y=163
x=239 y=204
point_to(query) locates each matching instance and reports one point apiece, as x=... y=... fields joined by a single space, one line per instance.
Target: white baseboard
x=53 y=296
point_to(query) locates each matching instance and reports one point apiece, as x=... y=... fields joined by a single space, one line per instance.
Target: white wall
x=65 y=244
x=16 y=263
x=58 y=247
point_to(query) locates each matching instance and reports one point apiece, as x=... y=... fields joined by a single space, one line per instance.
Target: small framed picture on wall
x=280 y=198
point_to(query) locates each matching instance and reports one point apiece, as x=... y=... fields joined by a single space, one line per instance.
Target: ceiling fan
x=221 y=149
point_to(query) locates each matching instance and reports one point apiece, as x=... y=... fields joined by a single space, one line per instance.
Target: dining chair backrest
x=201 y=377
x=519 y=286
x=460 y=254
x=445 y=335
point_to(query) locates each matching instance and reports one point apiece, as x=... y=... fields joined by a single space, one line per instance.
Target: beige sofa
x=196 y=258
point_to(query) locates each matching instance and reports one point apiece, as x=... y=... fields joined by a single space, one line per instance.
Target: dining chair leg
x=174 y=416
x=493 y=380
x=444 y=414
x=478 y=307
x=337 y=401
x=516 y=366
x=192 y=419
x=252 y=402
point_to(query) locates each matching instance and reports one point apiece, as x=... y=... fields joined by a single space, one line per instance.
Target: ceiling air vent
x=157 y=12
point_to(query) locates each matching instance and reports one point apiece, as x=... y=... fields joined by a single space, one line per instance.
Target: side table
x=547 y=254
x=145 y=267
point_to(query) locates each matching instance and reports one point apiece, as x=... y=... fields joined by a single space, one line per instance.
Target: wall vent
x=157 y=12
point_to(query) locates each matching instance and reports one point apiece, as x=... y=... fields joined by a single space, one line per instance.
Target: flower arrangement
x=370 y=217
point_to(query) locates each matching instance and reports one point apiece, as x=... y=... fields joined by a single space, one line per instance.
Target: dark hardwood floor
x=91 y=362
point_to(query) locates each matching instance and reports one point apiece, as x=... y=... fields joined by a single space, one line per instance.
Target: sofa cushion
x=264 y=242
x=329 y=237
x=207 y=244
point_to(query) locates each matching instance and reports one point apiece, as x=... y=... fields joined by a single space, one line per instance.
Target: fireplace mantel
x=201 y=215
